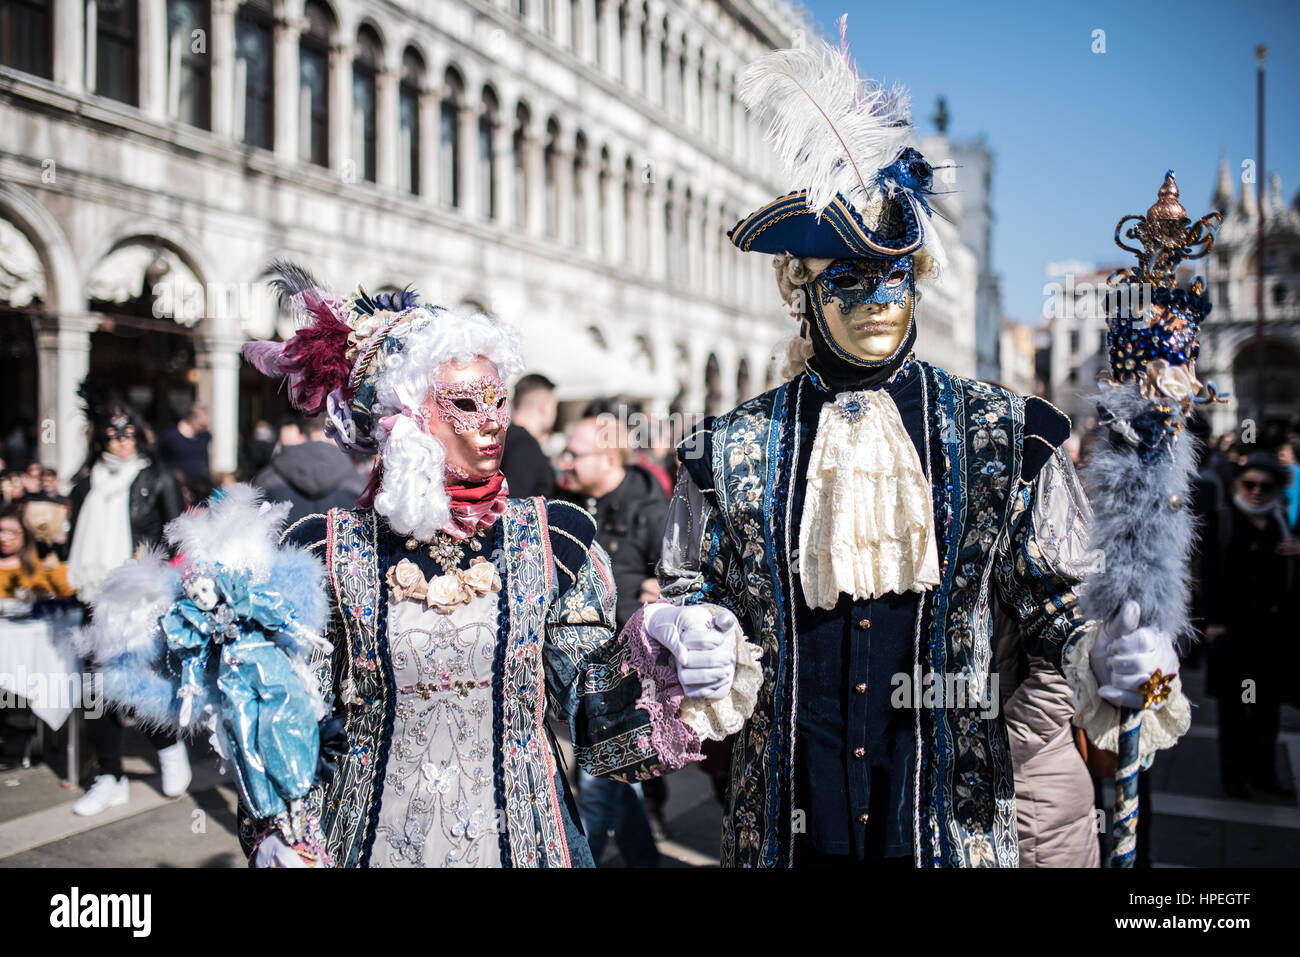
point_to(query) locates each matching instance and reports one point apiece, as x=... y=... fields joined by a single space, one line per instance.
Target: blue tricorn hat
x=788 y=225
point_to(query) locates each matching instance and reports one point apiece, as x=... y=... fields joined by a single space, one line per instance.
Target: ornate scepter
x=1142 y=464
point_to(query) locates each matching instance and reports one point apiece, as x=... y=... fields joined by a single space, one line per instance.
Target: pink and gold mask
x=471 y=405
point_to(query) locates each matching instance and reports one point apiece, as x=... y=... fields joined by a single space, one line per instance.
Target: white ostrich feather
x=239 y=531
x=832 y=130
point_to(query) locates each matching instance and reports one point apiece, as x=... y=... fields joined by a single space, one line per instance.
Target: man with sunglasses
x=1251 y=610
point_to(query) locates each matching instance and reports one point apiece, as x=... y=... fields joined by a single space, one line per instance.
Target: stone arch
x=59 y=265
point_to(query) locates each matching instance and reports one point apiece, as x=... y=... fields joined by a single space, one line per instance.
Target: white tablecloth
x=37 y=663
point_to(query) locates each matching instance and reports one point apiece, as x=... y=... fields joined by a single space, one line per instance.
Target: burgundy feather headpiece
x=315 y=359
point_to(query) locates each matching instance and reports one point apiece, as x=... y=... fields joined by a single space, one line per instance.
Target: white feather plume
x=832 y=130
x=238 y=530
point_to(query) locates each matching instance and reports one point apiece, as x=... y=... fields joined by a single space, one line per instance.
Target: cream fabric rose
x=481 y=576
x=446 y=592
x=405 y=580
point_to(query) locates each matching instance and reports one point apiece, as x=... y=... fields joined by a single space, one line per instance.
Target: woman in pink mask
x=459 y=614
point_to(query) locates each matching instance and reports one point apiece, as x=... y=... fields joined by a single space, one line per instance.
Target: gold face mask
x=865 y=307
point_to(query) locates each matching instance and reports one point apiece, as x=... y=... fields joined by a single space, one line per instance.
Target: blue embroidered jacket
x=556 y=647
x=983 y=449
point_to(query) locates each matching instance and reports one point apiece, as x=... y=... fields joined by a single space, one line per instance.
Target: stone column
x=287 y=88
x=535 y=162
x=218 y=361
x=503 y=156
x=613 y=41
x=633 y=68
x=614 y=236
x=342 y=162
x=430 y=178
x=654 y=74
x=709 y=102
x=564 y=196
x=595 y=209
x=587 y=51
x=70 y=41
x=387 y=140
x=467 y=141
x=63 y=359
x=563 y=25
x=153 y=59
x=656 y=196
x=221 y=53
x=673 y=88
x=691 y=91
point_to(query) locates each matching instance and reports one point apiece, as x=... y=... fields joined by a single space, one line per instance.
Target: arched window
x=598 y=46
x=116 y=53
x=27 y=36
x=622 y=45
x=578 y=207
x=488 y=122
x=644 y=59
x=743 y=385
x=551 y=164
x=631 y=186
x=679 y=106
x=712 y=387
x=575 y=26
x=671 y=239
x=408 y=122
x=523 y=120
x=365 y=68
x=453 y=96
x=313 y=85
x=664 y=67
x=189 y=96
x=255 y=76
x=604 y=181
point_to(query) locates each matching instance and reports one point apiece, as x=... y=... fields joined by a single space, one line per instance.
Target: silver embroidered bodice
x=437 y=806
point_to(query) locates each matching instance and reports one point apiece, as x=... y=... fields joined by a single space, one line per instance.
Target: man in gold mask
x=862 y=519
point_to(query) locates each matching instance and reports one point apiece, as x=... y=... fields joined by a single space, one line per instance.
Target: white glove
x=702 y=641
x=1125 y=656
x=274 y=852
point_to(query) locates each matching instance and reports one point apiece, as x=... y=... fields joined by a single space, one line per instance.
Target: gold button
x=862 y=818
x=859 y=752
x=864 y=622
x=860 y=688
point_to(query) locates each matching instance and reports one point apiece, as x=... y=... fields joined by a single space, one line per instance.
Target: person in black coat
x=121 y=503
x=527 y=470
x=1250 y=607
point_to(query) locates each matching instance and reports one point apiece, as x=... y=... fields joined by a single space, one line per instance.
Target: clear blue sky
x=1081 y=138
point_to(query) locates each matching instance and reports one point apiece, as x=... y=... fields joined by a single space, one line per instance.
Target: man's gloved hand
x=702 y=642
x=274 y=852
x=1125 y=656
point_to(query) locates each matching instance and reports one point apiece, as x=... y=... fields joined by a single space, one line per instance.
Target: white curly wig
x=411 y=495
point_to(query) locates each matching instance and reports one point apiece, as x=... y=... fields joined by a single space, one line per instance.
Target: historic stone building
x=571 y=166
x=1228 y=345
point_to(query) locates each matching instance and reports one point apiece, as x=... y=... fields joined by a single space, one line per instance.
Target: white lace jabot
x=868 y=522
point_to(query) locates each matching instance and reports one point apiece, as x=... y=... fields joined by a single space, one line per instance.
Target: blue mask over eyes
x=860 y=282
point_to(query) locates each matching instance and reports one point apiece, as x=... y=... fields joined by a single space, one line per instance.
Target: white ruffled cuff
x=1099 y=719
x=720 y=718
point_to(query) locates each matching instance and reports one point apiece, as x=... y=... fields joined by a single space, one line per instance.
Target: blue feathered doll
x=230 y=641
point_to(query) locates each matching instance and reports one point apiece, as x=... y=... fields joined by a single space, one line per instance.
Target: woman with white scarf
x=120 y=505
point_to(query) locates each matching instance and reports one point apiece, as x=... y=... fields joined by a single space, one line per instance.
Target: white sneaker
x=107 y=791
x=176 y=774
